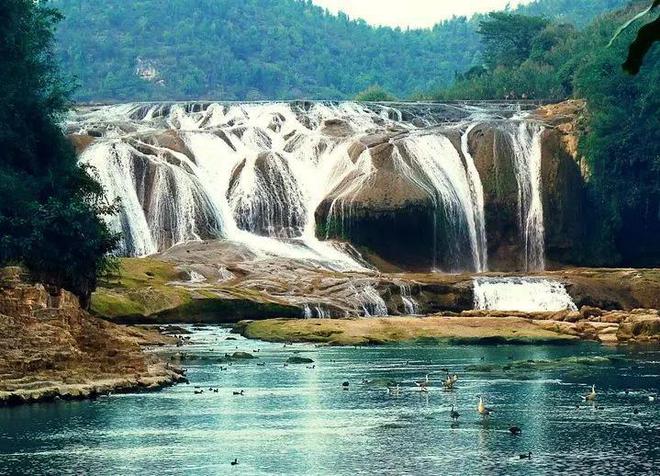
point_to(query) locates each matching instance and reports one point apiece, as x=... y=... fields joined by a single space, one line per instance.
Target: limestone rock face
x=390 y=209
x=643 y=325
x=50 y=347
x=275 y=206
x=493 y=157
x=383 y=210
x=563 y=175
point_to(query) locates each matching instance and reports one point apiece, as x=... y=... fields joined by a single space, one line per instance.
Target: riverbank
x=186 y=284
x=50 y=348
x=472 y=328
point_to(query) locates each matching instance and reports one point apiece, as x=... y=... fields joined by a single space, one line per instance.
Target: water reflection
x=298 y=420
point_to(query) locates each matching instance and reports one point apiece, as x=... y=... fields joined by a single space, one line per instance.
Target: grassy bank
x=403 y=329
x=151 y=291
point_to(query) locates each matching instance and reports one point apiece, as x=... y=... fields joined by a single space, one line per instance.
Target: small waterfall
x=224 y=274
x=196 y=278
x=527 y=294
x=317 y=311
x=438 y=165
x=526 y=143
x=410 y=305
x=477 y=193
x=370 y=302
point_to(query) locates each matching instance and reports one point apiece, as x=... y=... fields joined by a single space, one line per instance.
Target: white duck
x=590 y=397
x=482 y=409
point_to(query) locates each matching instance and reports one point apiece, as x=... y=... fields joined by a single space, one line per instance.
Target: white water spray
x=527 y=294
x=256 y=174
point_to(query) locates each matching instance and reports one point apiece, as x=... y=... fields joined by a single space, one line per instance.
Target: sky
x=413 y=13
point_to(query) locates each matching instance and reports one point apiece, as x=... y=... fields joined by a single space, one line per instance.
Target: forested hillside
x=575 y=12
x=262 y=49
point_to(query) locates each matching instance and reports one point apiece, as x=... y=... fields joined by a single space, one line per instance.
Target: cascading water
x=370 y=301
x=255 y=174
x=526 y=143
x=528 y=294
x=316 y=311
x=410 y=305
x=477 y=195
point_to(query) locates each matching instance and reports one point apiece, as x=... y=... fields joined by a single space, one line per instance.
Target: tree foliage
x=49 y=206
x=374 y=93
x=622 y=139
x=123 y=50
x=508 y=38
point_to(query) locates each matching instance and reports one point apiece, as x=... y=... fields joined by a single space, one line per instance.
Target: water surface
x=297 y=420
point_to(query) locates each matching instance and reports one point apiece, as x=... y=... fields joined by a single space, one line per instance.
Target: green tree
x=50 y=208
x=508 y=38
x=374 y=93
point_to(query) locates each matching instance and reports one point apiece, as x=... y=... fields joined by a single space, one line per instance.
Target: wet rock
x=81 y=142
x=299 y=360
x=336 y=128
x=589 y=311
x=640 y=326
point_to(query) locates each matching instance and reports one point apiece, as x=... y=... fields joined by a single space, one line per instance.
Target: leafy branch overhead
x=646 y=37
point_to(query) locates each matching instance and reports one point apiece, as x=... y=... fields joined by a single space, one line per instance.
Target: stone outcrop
x=385 y=211
x=50 y=348
x=396 y=217
x=237 y=286
x=563 y=175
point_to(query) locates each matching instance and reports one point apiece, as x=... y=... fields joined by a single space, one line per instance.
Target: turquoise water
x=296 y=420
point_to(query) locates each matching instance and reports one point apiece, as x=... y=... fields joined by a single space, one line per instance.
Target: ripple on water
x=298 y=420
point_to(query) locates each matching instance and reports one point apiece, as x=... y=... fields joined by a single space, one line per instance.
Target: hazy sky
x=413 y=13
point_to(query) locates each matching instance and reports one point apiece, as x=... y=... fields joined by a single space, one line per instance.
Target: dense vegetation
x=49 y=207
x=532 y=57
x=262 y=49
x=574 y=12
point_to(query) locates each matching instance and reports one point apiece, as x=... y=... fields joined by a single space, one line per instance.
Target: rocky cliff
x=395 y=215
x=50 y=348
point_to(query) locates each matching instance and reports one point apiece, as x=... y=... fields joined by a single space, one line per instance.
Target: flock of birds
x=448 y=384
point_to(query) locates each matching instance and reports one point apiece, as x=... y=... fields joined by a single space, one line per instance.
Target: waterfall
x=115 y=170
x=410 y=305
x=371 y=303
x=526 y=143
x=256 y=173
x=224 y=274
x=528 y=294
x=477 y=193
x=307 y=312
x=196 y=278
x=317 y=311
x=438 y=163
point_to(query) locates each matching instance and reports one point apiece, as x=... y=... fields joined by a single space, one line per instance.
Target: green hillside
x=261 y=49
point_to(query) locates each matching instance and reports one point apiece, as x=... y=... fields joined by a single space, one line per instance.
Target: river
x=298 y=420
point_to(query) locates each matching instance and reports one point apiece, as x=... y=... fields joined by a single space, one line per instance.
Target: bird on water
x=482 y=409
x=394 y=390
x=590 y=397
x=454 y=414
